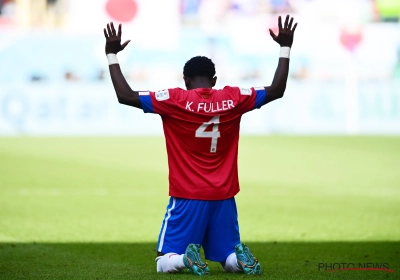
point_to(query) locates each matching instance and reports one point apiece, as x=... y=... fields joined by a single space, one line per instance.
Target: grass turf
x=91 y=208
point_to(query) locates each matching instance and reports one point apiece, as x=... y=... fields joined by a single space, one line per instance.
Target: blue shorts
x=211 y=223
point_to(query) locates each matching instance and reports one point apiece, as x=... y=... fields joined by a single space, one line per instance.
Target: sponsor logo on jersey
x=245 y=91
x=144 y=93
x=162 y=95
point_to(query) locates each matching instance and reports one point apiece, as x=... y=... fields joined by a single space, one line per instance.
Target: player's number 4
x=213 y=134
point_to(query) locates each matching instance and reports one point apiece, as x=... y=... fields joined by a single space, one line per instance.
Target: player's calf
x=172 y=263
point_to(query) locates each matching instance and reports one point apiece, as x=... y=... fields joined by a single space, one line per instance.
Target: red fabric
x=195 y=172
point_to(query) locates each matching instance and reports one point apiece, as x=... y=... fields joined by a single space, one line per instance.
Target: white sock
x=231 y=264
x=170 y=263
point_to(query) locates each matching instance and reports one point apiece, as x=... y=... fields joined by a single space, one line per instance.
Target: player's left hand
x=113 y=39
x=286 y=32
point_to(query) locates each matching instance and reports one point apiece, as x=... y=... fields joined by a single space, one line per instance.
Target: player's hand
x=113 y=39
x=286 y=32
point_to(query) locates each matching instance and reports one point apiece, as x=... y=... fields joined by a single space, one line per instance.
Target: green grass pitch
x=91 y=208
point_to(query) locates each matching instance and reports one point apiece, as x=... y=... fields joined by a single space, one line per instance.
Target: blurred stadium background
x=344 y=77
x=88 y=207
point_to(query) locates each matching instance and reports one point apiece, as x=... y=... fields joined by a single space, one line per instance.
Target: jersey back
x=201 y=128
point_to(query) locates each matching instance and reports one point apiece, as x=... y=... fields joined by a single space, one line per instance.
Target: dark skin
x=130 y=97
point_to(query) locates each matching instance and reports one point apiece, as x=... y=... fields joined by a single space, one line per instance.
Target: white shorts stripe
x=165 y=226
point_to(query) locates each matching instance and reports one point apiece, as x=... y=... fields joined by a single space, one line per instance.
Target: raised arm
x=285 y=40
x=124 y=92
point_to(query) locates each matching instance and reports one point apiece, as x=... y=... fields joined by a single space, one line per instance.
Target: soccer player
x=201 y=127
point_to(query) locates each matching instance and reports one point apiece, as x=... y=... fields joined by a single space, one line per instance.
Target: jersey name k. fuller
x=201 y=128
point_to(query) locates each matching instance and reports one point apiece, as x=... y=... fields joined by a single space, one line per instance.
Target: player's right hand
x=113 y=39
x=286 y=32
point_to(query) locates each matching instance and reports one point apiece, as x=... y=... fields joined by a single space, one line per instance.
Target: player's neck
x=199 y=82
x=199 y=86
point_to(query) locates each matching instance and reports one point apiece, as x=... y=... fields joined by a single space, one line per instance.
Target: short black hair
x=199 y=66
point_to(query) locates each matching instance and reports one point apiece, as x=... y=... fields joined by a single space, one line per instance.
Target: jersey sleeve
x=251 y=98
x=159 y=102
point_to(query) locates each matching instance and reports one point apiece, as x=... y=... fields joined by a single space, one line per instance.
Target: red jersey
x=201 y=128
